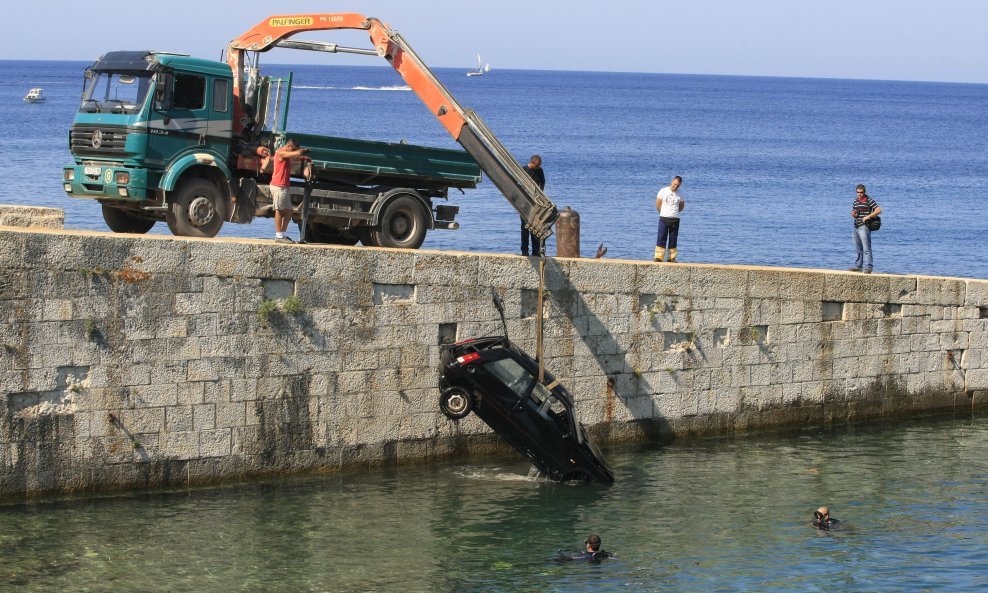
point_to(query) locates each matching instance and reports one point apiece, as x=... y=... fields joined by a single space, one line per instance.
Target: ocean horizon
x=770 y=163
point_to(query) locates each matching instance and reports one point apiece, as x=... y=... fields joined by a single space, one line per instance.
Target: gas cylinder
x=568 y=233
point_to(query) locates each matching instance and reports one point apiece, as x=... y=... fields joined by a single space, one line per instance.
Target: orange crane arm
x=268 y=33
x=464 y=126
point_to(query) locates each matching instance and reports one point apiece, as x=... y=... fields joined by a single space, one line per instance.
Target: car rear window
x=512 y=374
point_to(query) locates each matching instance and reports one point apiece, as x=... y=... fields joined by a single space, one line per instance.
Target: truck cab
x=148 y=123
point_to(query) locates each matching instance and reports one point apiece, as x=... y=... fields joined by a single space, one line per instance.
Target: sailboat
x=482 y=68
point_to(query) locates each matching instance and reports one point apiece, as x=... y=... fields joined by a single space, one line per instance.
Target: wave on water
x=496 y=474
x=400 y=87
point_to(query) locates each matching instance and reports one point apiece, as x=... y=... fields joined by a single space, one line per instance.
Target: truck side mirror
x=87 y=76
x=163 y=91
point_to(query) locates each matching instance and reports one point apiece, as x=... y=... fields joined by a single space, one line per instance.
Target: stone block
x=31 y=216
x=902 y=289
x=802 y=285
x=12 y=245
x=853 y=287
x=976 y=292
x=598 y=276
x=665 y=280
x=155 y=396
x=141 y=420
x=215 y=443
x=178 y=418
x=940 y=291
x=204 y=417
x=445 y=269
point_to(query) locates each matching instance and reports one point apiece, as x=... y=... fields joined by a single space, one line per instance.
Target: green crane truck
x=152 y=140
x=164 y=136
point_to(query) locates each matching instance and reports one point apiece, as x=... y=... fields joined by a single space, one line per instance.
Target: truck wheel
x=455 y=403
x=121 y=221
x=402 y=224
x=196 y=210
x=322 y=233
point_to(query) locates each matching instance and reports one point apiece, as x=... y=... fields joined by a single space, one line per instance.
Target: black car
x=499 y=382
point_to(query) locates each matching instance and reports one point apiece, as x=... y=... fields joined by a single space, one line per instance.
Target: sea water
x=715 y=515
x=770 y=164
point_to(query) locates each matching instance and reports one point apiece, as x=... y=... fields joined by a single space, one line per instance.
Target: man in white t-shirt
x=669 y=204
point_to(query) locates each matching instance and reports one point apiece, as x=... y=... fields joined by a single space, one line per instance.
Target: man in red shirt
x=280 y=184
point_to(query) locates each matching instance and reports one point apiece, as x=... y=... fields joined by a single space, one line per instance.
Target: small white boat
x=35 y=95
x=482 y=68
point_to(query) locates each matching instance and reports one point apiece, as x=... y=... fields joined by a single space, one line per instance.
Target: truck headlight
x=122 y=177
x=68 y=174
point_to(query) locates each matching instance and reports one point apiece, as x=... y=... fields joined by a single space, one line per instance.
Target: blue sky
x=941 y=40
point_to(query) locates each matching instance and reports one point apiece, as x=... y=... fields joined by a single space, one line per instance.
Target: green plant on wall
x=268 y=308
x=90 y=329
x=292 y=305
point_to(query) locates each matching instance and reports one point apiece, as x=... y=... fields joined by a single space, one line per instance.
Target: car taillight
x=468 y=358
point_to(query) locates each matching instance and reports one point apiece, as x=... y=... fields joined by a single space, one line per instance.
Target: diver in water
x=822 y=518
x=593 y=553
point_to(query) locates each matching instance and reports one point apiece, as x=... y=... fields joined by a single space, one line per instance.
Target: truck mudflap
x=245 y=207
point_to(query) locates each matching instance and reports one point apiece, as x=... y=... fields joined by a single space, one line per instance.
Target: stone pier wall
x=145 y=362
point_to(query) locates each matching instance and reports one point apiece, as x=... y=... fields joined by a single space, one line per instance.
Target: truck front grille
x=97 y=140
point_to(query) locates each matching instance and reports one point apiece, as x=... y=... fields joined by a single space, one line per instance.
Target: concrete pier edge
x=133 y=362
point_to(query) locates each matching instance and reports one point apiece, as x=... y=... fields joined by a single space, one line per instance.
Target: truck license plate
x=94 y=171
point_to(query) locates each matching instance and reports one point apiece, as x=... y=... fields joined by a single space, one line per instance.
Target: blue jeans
x=668 y=232
x=862 y=240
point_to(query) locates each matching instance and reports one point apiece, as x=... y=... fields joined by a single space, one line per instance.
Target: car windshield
x=116 y=92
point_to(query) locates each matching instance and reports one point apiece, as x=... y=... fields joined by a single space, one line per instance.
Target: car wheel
x=402 y=224
x=455 y=403
x=121 y=221
x=196 y=210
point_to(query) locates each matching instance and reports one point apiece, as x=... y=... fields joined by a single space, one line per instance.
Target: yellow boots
x=660 y=254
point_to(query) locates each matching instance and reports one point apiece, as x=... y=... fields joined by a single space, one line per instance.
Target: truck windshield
x=116 y=92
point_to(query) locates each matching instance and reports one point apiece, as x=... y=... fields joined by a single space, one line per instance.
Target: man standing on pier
x=669 y=204
x=534 y=170
x=863 y=211
x=280 y=187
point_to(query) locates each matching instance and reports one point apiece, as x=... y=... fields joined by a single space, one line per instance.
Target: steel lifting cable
x=539 y=317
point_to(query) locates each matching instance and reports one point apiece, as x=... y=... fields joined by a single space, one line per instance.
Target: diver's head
x=821 y=516
x=593 y=542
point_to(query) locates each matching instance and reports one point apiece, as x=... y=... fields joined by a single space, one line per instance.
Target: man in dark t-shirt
x=534 y=170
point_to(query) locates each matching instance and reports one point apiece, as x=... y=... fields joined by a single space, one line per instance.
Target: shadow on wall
x=625 y=372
